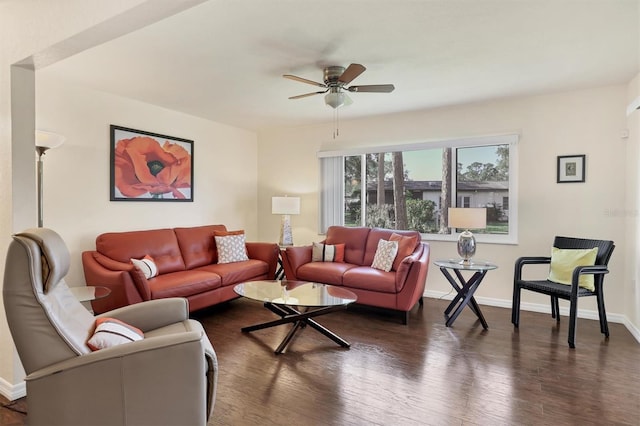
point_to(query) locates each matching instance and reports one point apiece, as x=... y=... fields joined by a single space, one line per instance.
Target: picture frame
x=147 y=166
x=571 y=168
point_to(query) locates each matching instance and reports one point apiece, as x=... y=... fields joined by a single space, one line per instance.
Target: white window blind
x=331 y=192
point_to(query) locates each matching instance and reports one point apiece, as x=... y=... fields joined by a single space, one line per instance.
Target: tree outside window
x=413 y=189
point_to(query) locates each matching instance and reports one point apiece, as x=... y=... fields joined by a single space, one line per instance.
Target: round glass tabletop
x=295 y=293
x=89 y=292
x=473 y=265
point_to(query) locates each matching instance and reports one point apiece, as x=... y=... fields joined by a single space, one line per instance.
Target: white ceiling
x=223 y=60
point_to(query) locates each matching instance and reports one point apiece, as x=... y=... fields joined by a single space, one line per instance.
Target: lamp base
x=466 y=246
x=286 y=236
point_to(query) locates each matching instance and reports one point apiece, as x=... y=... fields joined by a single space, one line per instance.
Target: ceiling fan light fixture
x=335 y=99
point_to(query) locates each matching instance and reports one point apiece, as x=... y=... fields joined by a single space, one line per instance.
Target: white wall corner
x=635 y=332
x=13 y=392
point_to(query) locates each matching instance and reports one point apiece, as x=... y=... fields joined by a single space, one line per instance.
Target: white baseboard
x=13 y=392
x=543 y=308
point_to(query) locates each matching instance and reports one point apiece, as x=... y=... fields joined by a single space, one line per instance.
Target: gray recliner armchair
x=169 y=377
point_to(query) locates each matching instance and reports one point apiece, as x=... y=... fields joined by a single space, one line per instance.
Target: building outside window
x=413 y=188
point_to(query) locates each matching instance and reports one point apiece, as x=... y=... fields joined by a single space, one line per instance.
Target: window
x=464 y=201
x=412 y=186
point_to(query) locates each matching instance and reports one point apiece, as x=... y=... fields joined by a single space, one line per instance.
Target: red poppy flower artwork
x=150 y=167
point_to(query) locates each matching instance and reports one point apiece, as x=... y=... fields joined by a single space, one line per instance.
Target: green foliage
x=380 y=216
x=420 y=215
x=487 y=172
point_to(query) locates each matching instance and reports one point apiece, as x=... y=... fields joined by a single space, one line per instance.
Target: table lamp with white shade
x=467 y=218
x=286 y=206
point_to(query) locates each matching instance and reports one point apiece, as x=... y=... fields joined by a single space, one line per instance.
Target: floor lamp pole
x=41 y=150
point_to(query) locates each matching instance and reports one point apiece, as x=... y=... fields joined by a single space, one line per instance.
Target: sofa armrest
x=267 y=252
x=100 y=270
x=145 y=315
x=411 y=277
x=293 y=258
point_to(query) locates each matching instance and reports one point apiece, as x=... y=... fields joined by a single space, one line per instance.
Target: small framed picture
x=571 y=168
x=148 y=166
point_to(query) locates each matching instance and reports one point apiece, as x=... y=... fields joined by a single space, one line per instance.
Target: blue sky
x=427 y=164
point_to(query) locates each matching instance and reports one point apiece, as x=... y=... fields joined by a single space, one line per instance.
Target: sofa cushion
x=372 y=279
x=147 y=266
x=406 y=246
x=231 y=247
x=112 y=332
x=327 y=253
x=234 y=273
x=385 y=255
x=324 y=272
x=183 y=284
x=197 y=244
x=355 y=240
x=564 y=261
x=378 y=234
x=161 y=244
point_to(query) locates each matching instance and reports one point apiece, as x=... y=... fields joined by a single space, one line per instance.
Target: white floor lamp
x=285 y=206
x=44 y=142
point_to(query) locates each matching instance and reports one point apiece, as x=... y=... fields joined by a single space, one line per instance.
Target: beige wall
x=76 y=187
x=580 y=122
x=27 y=28
x=632 y=291
x=36 y=33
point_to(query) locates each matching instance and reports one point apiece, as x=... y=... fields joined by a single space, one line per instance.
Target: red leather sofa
x=186 y=260
x=399 y=289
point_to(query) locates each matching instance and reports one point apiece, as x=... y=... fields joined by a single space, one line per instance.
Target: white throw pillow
x=231 y=248
x=147 y=265
x=111 y=332
x=385 y=255
x=327 y=253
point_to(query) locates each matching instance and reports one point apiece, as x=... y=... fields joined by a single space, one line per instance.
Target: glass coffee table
x=284 y=298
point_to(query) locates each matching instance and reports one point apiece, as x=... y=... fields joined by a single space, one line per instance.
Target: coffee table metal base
x=300 y=319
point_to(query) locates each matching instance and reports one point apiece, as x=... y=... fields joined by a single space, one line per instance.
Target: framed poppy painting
x=148 y=166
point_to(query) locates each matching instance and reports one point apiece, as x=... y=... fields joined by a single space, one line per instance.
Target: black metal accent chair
x=567 y=292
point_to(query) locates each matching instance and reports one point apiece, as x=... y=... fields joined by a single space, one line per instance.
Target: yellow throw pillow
x=564 y=261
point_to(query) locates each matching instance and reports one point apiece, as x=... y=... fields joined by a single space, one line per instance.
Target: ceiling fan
x=336 y=79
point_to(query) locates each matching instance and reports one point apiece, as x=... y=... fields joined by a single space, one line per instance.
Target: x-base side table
x=465 y=288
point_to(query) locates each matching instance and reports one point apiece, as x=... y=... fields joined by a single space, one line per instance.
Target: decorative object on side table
x=571 y=168
x=467 y=218
x=285 y=206
x=44 y=142
x=148 y=166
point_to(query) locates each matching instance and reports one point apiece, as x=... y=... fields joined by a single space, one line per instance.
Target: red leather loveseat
x=399 y=289
x=187 y=264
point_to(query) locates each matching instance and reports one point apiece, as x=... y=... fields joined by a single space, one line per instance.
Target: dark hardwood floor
x=420 y=374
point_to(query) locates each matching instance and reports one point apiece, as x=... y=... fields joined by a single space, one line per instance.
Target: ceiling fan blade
x=378 y=88
x=307 y=94
x=303 y=80
x=351 y=73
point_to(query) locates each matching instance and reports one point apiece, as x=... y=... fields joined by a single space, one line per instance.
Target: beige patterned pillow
x=231 y=248
x=385 y=254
